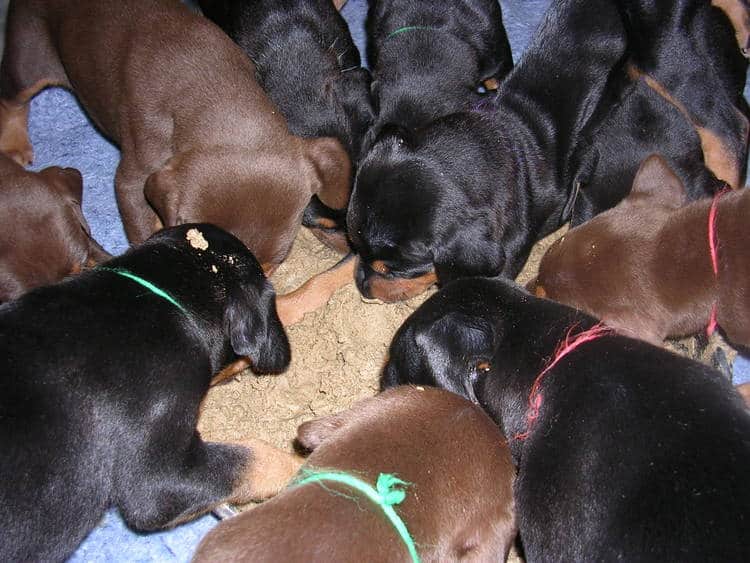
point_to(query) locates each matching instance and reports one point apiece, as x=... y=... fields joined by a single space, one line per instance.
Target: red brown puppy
x=45 y=236
x=645 y=266
x=458 y=504
x=200 y=140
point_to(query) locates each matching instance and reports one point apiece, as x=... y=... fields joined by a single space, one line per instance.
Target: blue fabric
x=63 y=136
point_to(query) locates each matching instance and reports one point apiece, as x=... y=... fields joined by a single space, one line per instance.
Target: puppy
x=645 y=267
x=431 y=59
x=471 y=193
x=679 y=94
x=45 y=235
x=306 y=61
x=625 y=451
x=103 y=376
x=458 y=473
x=200 y=140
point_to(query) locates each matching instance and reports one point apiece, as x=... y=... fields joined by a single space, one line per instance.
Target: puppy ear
x=254 y=328
x=655 y=179
x=162 y=192
x=332 y=177
x=470 y=254
x=314 y=432
x=68 y=181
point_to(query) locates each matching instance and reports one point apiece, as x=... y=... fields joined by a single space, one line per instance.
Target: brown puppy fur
x=200 y=140
x=644 y=266
x=45 y=236
x=458 y=506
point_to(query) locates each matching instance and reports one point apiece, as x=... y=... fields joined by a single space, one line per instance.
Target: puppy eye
x=483 y=366
x=380 y=267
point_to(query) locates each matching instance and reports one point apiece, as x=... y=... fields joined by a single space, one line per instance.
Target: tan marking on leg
x=739 y=18
x=717 y=157
x=268 y=471
x=315 y=292
x=230 y=371
x=14 y=124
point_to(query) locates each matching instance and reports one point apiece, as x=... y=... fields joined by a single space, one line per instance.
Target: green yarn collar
x=388 y=491
x=408 y=28
x=145 y=283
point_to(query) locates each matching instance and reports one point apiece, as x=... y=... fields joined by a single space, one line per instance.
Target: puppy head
x=259 y=196
x=47 y=236
x=220 y=279
x=416 y=218
x=599 y=265
x=466 y=338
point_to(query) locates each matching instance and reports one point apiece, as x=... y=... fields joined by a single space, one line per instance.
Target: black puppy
x=102 y=378
x=309 y=66
x=471 y=193
x=430 y=59
x=625 y=451
x=679 y=94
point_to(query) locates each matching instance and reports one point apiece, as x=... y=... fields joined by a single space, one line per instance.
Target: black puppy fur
x=690 y=49
x=637 y=454
x=430 y=59
x=472 y=192
x=307 y=62
x=101 y=384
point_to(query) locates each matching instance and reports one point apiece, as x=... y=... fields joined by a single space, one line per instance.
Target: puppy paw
x=268 y=471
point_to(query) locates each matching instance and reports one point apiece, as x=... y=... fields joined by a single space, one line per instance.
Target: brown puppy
x=458 y=504
x=644 y=267
x=45 y=236
x=200 y=140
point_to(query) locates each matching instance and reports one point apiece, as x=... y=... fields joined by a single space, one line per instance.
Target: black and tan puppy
x=458 y=504
x=678 y=94
x=306 y=61
x=430 y=59
x=471 y=193
x=625 y=451
x=102 y=379
x=45 y=236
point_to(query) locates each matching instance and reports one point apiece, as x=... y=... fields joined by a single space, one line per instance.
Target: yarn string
x=713 y=247
x=388 y=491
x=145 y=283
x=408 y=28
x=565 y=347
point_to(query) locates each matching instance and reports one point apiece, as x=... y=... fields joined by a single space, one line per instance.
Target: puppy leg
x=29 y=65
x=138 y=218
x=315 y=292
x=170 y=489
x=738 y=12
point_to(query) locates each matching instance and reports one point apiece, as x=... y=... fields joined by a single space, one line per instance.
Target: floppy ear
x=254 y=328
x=470 y=254
x=68 y=181
x=332 y=179
x=656 y=180
x=314 y=432
x=162 y=192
